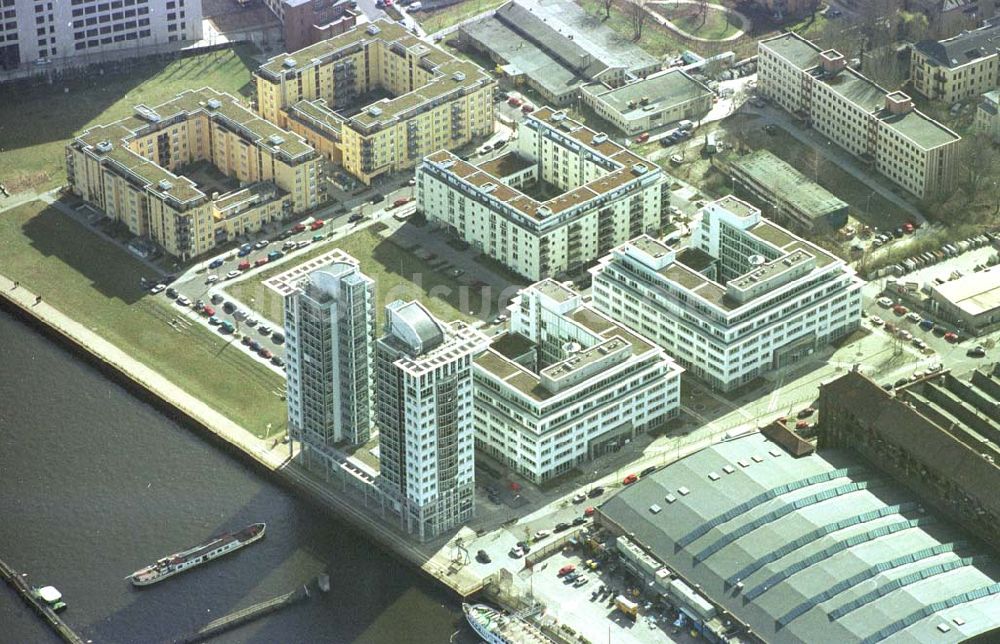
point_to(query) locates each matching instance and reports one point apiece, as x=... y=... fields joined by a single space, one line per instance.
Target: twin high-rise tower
x=414 y=384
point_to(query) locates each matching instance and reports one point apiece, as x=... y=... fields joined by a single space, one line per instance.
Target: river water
x=95 y=483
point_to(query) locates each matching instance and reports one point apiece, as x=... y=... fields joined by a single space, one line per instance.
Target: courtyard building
x=564 y=196
x=744 y=298
x=424 y=415
x=330 y=344
x=36 y=32
x=135 y=171
x=376 y=98
x=959 y=68
x=879 y=127
x=555 y=47
x=567 y=384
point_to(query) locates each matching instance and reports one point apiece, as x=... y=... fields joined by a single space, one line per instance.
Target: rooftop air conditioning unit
x=214 y=103
x=459 y=76
x=104 y=147
x=600 y=137
x=375 y=111
x=372 y=29
x=289 y=62
x=165 y=185
x=274 y=139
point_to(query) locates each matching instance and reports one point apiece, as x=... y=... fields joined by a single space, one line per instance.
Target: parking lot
x=592 y=613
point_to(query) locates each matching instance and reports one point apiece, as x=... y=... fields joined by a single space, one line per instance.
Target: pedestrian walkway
x=745 y=23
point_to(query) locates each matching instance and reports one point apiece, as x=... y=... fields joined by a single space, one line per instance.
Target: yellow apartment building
x=132 y=169
x=957 y=68
x=377 y=99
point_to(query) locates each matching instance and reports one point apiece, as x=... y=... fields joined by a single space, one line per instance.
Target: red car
x=899 y=309
x=260 y=262
x=316 y=225
x=951 y=337
x=527 y=108
x=400 y=202
x=208 y=311
x=565 y=570
x=244 y=265
x=266 y=354
x=907 y=228
x=589 y=512
x=642 y=138
x=298 y=228
x=514 y=101
x=630 y=479
x=802 y=424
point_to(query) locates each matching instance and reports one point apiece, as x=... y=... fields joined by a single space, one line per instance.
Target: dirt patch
x=26 y=181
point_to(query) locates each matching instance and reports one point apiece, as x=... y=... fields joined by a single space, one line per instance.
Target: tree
x=703 y=11
x=607 y=7
x=637 y=17
x=978 y=163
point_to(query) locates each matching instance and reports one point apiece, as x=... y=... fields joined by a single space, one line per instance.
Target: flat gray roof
x=788 y=184
x=926 y=132
x=663 y=89
x=826 y=549
x=799 y=52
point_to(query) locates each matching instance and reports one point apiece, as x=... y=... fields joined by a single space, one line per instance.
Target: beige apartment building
x=565 y=196
x=958 y=68
x=133 y=170
x=377 y=99
x=882 y=129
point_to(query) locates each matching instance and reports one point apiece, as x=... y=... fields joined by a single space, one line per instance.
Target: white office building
x=743 y=298
x=330 y=335
x=424 y=414
x=567 y=384
x=564 y=196
x=40 y=31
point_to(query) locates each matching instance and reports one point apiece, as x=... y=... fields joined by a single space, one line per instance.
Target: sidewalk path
x=745 y=23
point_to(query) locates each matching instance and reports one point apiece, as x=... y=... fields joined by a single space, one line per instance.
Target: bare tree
x=885 y=66
x=637 y=16
x=978 y=163
x=607 y=7
x=703 y=11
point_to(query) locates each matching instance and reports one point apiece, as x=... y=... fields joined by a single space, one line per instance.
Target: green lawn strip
x=97 y=285
x=439 y=19
x=656 y=39
x=398 y=274
x=37 y=122
x=714 y=24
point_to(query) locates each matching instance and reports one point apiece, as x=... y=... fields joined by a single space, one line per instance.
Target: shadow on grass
x=109 y=270
x=36 y=114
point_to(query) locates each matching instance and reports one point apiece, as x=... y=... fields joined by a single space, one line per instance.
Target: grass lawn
x=37 y=122
x=714 y=25
x=398 y=275
x=656 y=40
x=810 y=27
x=439 y=19
x=98 y=285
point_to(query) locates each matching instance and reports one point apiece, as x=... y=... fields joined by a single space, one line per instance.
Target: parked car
x=483 y=557
x=215 y=263
x=977 y=351
x=927 y=324
x=876 y=320
x=277 y=337
x=579 y=520
x=516 y=552
x=900 y=310
x=565 y=570
x=265 y=353
x=262 y=244
x=913 y=316
x=159 y=288
x=630 y=479
x=581 y=581
x=316 y=225
x=183 y=300
x=277 y=361
x=232 y=274
x=211 y=279
x=261 y=262
x=648 y=470
x=595 y=492
x=275 y=254
x=561 y=527
x=214 y=321
x=264 y=329
x=354 y=218
x=244 y=265
x=807 y=412
x=884 y=302
x=171 y=292
x=589 y=512
x=951 y=337
x=541 y=534
x=579 y=498
x=245 y=250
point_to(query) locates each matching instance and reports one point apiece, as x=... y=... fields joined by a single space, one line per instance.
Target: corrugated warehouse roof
x=814 y=549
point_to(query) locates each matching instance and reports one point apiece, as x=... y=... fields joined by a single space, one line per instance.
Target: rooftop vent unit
x=104 y=147
x=275 y=139
x=375 y=111
x=488 y=187
x=459 y=76
x=600 y=137
x=644 y=100
x=214 y=103
x=544 y=211
x=639 y=169
x=372 y=29
x=147 y=113
x=165 y=185
x=289 y=62
x=559 y=116
x=756 y=260
x=572 y=347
